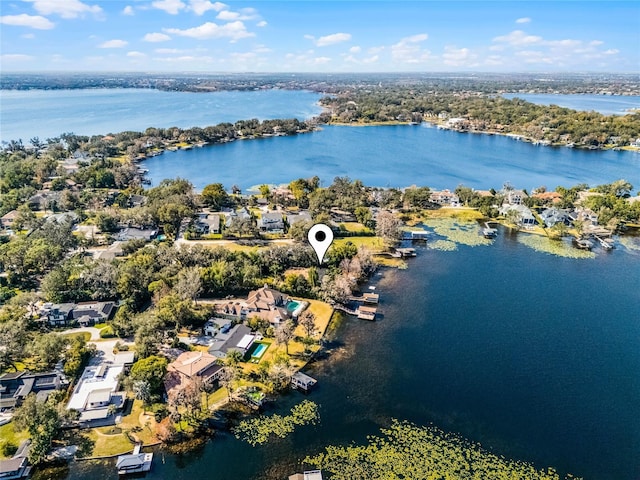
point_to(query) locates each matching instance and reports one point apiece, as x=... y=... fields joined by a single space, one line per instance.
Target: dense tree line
x=484 y=113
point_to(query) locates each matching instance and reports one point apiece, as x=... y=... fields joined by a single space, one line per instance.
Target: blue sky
x=319 y=36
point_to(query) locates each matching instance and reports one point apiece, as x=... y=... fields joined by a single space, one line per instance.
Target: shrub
x=107 y=332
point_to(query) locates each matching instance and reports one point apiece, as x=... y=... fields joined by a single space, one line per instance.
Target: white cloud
x=135 y=54
x=459 y=57
x=228 y=15
x=523 y=20
x=128 y=10
x=232 y=30
x=242 y=14
x=355 y=49
x=156 y=37
x=329 y=39
x=321 y=60
x=200 y=7
x=113 y=44
x=23 y=20
x=28 y=36
x=186 y=59
x=65 y=8
x=15 y=57
x=372 y=59
x=409 y=50
x=172 y=7
x=375 y=50
x=261 y=23
x=611 y=51
x=595 y=43
x=168 y=51
x=518 y=38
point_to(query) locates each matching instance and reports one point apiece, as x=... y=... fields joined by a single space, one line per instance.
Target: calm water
x=535 y=356
x=102 y=111
x=606 y=104
x=395 y=156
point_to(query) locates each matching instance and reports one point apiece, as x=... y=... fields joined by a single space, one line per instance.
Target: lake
x=396 y=156
x=101 y=111
x=605 y=104
x=535 y=356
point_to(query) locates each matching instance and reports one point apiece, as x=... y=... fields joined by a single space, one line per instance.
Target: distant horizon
x=310 y=73
x=319 y=36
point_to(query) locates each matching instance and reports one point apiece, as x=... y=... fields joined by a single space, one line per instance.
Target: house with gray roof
x=271 y=222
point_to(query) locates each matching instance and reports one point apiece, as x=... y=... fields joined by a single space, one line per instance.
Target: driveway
x=95 y=332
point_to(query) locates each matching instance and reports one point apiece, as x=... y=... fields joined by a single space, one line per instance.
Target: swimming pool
x=295 y=307
x=259 y=351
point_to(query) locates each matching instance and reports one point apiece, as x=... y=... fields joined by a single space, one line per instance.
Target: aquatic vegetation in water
x=260 y=429
x=443 y=245
x=553 y=247
x=630 y=243
x=410 y=451
x=463 y=233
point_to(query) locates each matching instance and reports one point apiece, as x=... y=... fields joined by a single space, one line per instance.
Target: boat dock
x=136 y=462
x=302 y=381
x=415 y=235
x=308 y=475
x=488 y=231
x=367 y=313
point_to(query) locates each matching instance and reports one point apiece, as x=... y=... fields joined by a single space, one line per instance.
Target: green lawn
x=9 y=436
x=374 y=243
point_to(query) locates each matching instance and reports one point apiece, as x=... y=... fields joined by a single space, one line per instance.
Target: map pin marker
x=320 y=237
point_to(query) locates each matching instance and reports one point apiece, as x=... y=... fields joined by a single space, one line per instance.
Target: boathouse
x=301 y=381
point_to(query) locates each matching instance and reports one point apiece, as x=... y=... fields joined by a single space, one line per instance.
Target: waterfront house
x=269 y=304
x=552 y=216
x=547 y=197
x=190 y=368
x=239 y=338
x=525 y=216
x=271 y=222
x=515 y=197
x=97 y=391
x=444 y=198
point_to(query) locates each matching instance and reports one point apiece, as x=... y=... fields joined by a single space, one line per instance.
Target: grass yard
x=374 y=243
x=461 y=213
x=113 y=440
x=8 y=436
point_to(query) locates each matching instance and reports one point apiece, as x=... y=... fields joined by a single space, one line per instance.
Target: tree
x=226 y=377
x=364 y=216
x=43 y=421
x=284 y=334
x=388 y=227
x=233 y=358
x=215 y=196
x=308 y=322
x=48 y=349
x=13 y=343
x=142 y=391
x=151 y=370
x=189 y=284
